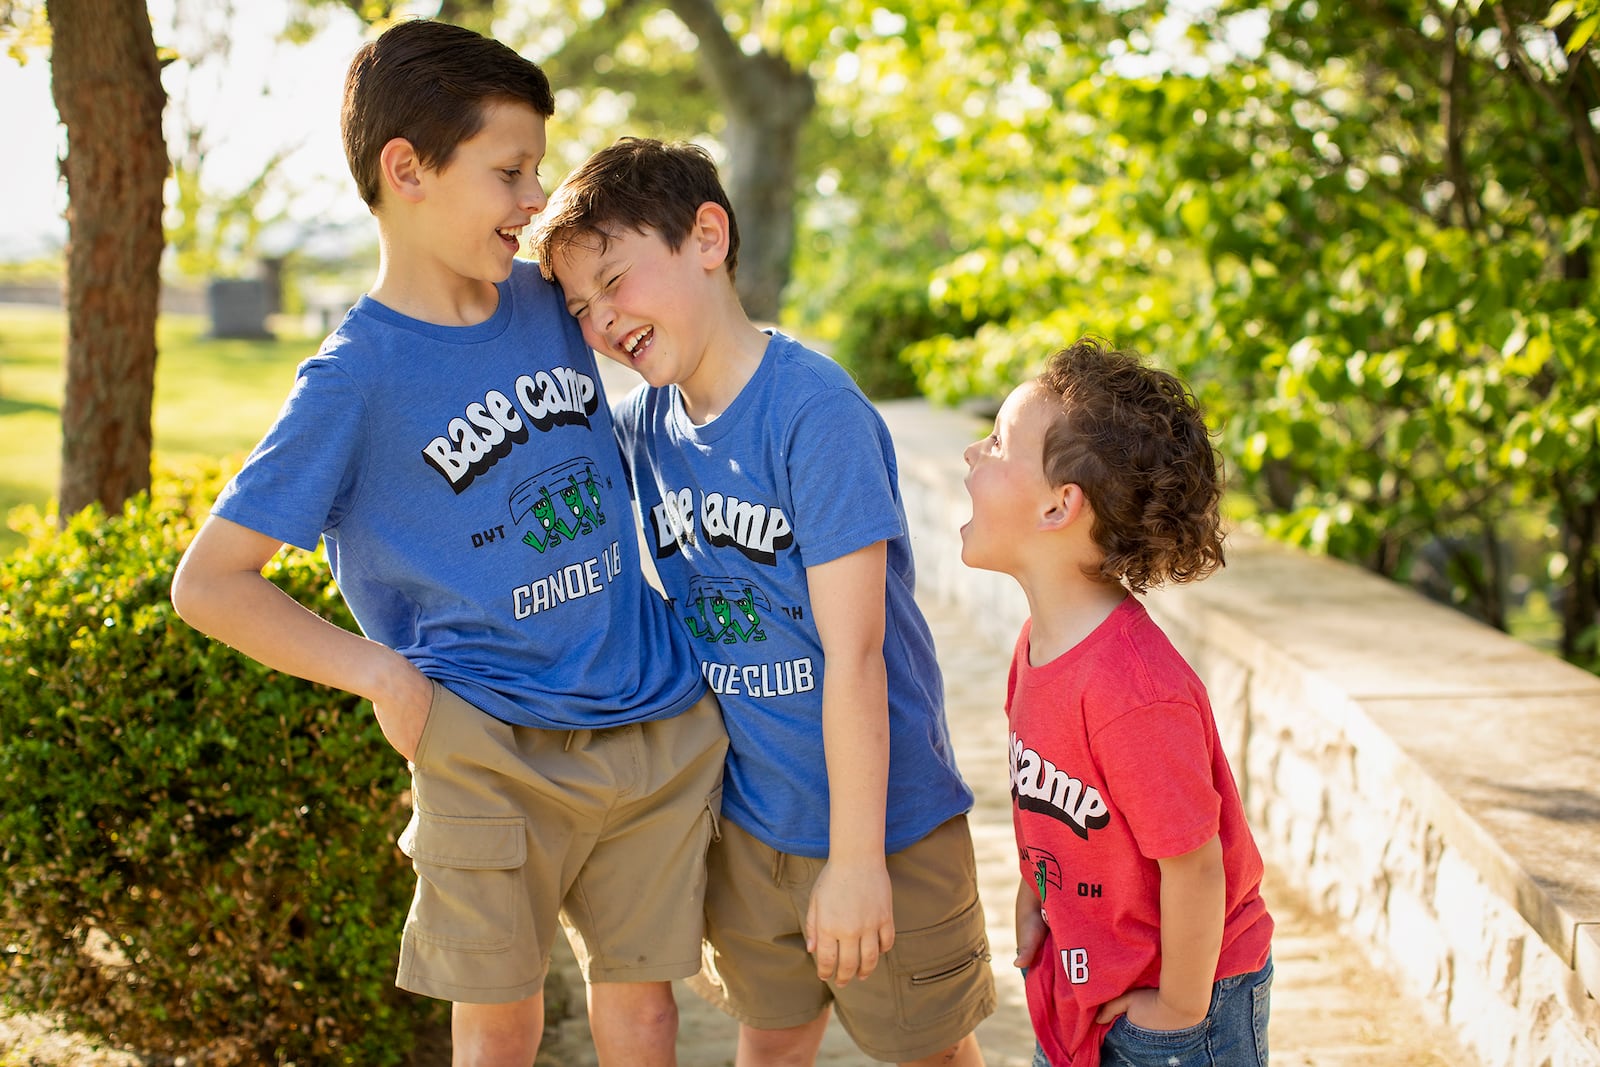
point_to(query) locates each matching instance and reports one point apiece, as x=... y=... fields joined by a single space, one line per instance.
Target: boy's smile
x=637 y=343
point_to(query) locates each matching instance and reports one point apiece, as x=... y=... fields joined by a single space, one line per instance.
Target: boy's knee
x=634 y=1008
x=964 y=1053
x=655 y=1013
x=795 y=1046
x=492 y=1035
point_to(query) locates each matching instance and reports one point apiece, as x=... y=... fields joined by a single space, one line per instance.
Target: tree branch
x=753 y=84
x=1452 y=108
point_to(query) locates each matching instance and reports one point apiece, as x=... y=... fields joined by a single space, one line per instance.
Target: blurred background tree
x=1362 y=230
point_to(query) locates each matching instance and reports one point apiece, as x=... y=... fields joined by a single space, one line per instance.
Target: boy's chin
x=972 y=557
x=968 y=554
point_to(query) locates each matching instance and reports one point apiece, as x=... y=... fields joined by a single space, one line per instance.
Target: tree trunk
x=763 y=147
x=767 y=103
x=106 y=82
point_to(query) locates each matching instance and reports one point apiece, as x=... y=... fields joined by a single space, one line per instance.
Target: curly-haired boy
x=1139 y=917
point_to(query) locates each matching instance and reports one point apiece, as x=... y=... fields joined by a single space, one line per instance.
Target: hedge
x=199 y=853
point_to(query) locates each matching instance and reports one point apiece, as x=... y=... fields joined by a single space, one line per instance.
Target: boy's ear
x=710 y=235
x=1068 y=504
x=401 y=169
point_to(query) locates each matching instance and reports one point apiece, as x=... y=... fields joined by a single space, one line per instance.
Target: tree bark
x=767 y=103
x=106 y=82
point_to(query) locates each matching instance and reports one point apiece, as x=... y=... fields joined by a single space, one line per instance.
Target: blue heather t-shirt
x=798 y=471
x=468 y=486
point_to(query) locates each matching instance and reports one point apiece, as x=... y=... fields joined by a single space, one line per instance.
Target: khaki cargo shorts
x=929 y=991
x=516 y=831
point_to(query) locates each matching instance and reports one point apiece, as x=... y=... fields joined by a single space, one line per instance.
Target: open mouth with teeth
x=635 y=343
x=512 y=238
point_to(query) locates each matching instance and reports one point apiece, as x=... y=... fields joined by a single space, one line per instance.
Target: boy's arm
x=850 y=921
x=219 y=590
x=1193 y=898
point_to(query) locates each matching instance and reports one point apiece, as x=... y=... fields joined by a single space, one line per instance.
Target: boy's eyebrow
x=604 y=265
x=573 y=301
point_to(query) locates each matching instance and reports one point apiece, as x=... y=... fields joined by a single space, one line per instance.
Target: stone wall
x=1429 y=781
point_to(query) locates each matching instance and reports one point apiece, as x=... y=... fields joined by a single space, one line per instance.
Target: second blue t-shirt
x=799 y=470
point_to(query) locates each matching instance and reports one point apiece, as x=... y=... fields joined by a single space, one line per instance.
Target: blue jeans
x=1233 y=1033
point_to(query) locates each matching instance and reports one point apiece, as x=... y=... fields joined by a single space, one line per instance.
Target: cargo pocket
x=714 y=816
x=709 y=831
x=939 y=968
x=468 y=880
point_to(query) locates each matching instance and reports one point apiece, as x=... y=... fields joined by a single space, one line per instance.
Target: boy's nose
x=966 y=453
x=535 y=199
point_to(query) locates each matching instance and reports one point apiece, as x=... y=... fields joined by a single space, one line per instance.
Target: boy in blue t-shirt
x=767 y=486
x=451 y=446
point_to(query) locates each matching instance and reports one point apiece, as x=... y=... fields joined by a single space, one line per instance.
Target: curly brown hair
x=1134 y=438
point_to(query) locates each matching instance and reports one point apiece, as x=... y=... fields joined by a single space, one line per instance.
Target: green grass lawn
x=213 y=400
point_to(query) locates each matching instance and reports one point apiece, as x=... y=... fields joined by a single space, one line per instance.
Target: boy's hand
x=1192 y=902
x=850 y=921
x=1031 y=925
x=1146 y=1010
x=403 y=712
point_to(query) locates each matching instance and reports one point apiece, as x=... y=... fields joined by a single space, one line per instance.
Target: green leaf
x=1560 y=11
x=1582 y=34
x=1416 y=258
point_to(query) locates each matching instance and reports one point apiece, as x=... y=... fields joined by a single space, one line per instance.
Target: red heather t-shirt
x=1115 y=763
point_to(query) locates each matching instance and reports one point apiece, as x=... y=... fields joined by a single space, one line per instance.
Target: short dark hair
x=1134 y=439
x=428 y=82
x=635 y=183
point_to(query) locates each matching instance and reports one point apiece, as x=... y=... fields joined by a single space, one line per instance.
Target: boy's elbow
x=189 y=594
x=203 y=585
x=181 y=594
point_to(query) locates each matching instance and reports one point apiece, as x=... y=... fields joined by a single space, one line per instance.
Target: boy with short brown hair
x=451 y=445
x=844 y=877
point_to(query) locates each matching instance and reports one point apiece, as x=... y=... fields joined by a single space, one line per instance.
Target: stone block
x=238 y=308
x=1416 y=943
x=1586 y=941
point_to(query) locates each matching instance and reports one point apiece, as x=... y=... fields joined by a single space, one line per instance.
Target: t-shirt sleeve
x=299 y=480
x=840 y=477
x=1157 y=765
x=627 y=417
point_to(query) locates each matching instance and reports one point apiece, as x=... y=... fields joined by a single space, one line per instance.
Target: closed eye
x=579 y=310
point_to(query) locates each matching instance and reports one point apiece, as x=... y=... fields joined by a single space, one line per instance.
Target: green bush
x=199 y=852
x=882 y=319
